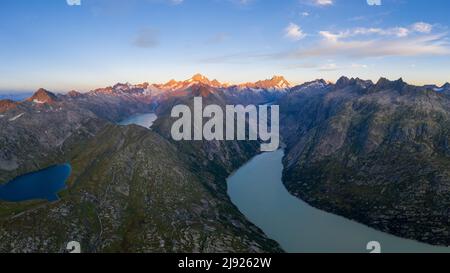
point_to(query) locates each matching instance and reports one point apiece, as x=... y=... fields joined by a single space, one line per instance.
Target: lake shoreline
x=279 y=214
x=44 y=184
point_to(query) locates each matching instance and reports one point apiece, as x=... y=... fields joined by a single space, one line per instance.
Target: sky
x=64 y=45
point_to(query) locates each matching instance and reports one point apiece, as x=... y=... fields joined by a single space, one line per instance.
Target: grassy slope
x=132 y=191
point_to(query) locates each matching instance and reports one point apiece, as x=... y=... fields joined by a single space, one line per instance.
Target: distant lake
x=40 y=185
x=16 y=96
x=144 y=120
x=257 y=190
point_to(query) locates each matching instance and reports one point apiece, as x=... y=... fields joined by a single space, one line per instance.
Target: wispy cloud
x=331 y=45
x=374 y=2
x=414 y=40
x=358 y=43
x=323 y=2
x=417 y=28
x=318 y=3
x=294 y=32
x=422 y=27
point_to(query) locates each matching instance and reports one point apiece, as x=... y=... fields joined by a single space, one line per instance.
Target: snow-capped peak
x=43 y=96
x=275 y=83
x=199 y=78
x=196 y=79
x=313 y=85
x=280 y=82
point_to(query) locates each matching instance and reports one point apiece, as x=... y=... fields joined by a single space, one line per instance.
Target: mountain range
x=377 y=153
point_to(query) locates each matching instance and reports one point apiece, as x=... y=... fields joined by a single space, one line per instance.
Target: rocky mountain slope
x=374 y=152
x=131 y=190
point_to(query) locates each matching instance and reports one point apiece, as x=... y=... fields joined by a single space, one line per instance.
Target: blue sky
x=51 y=44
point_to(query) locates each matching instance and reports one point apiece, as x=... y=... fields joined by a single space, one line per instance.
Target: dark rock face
x=376 y=153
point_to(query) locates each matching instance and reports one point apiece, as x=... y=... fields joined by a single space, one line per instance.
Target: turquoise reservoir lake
x=40 y=185
x=144 y=120
x=257 y=190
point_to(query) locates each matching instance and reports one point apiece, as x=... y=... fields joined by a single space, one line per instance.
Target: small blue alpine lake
x=47 y=183
x=41 y=185
x=257 y=190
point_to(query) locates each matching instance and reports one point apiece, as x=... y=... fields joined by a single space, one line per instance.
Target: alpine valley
x=377 y=153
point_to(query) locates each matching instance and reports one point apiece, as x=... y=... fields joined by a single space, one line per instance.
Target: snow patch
x=38 y=101
x=16 y=117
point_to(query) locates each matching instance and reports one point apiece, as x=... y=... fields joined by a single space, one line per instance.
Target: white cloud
x=417 y=39
x=422 y=27
x=176 y=2
x=331 y=45
x=374 y=2
x=73 y=2
x=332 y=37
x=323 y=2
x=400 y=32
x=294 y=32
x=317 y=3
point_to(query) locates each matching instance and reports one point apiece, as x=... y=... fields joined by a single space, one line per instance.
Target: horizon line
x=7 y=91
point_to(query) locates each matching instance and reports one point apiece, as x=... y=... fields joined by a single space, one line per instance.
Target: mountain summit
x=276 y=82
x=196 y=79
x=199 y=78
x=43 y=96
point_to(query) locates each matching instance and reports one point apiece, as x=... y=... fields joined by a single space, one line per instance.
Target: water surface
x=144 y=120
x=40 y=185
x=257 y=190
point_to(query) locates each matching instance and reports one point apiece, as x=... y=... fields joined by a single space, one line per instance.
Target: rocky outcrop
x=43 y=96
x=6 y=105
